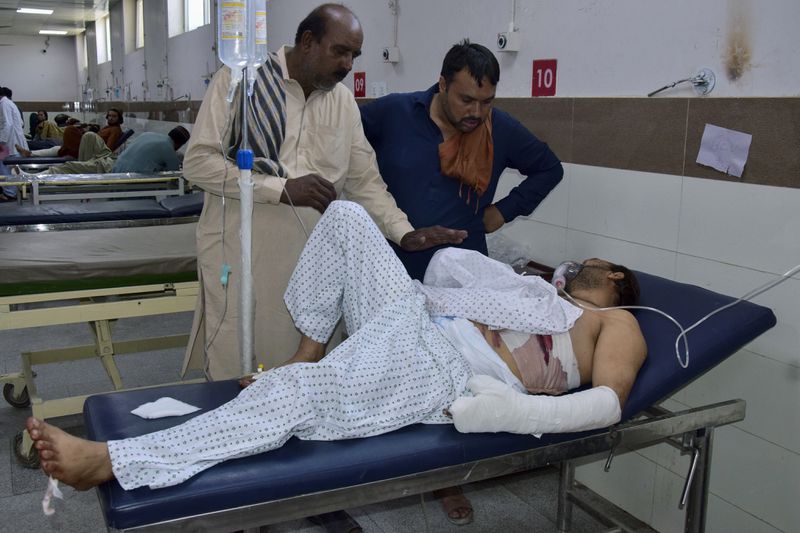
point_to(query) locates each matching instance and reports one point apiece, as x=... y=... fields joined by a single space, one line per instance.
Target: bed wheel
x=21 y=400
x=29 y=459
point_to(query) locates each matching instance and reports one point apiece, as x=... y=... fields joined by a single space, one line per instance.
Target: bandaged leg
x=497 y=407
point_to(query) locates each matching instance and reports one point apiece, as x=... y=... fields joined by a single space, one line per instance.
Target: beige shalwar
x=323 y=136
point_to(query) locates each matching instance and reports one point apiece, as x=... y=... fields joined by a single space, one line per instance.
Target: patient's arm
x=497 y=407
x=619 y=353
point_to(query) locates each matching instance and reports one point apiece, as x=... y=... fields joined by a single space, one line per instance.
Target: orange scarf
x=468 y=157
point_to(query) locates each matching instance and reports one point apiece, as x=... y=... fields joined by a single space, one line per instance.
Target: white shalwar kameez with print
x=395 y=369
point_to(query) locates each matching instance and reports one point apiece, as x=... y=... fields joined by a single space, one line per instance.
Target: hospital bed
x=51 y=187
x=304 y=478
x=72 y=272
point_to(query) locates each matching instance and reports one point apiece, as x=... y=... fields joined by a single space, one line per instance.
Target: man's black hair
x=627 y=287
x=5 y=91
x=118 y=112
x=477 y=58
x=179 y=136
x=61 y=119
x=316 y=22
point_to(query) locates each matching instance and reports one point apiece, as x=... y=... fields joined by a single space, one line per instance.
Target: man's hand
x=425 y=238
x=310 y=190
x=492 y=219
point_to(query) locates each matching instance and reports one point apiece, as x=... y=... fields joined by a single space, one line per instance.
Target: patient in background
x=412 y=357
x=153 y=152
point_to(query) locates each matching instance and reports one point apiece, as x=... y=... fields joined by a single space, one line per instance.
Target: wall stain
x=738 y=54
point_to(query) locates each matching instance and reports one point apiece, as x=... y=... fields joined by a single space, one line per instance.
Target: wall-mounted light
x=52 y=32
x=34 y=11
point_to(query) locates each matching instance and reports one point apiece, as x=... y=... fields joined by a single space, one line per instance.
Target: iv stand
x=244 y=160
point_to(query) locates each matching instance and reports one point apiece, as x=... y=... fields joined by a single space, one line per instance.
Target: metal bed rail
x=694 y=426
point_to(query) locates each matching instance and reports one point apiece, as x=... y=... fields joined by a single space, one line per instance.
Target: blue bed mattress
x=301 y=467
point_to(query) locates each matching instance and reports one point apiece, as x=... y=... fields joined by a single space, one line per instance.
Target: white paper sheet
x=724 y=150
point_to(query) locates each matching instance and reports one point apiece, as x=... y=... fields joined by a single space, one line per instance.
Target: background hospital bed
x=52 y=187
x=93 y=276
x=304 y=478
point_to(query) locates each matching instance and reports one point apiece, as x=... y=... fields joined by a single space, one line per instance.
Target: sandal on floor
x=456 y=506
x=336 y=522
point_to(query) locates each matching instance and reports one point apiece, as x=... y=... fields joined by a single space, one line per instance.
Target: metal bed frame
x=46 y=187
x=691 y=431
x=98 y=307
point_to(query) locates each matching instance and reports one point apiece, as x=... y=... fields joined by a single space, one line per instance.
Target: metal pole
x=697 y=506
x=244 y=160
x=566 y=480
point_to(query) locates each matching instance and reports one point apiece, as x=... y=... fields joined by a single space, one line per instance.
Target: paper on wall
x=724 y=150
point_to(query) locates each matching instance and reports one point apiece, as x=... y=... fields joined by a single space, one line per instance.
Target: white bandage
x=497 y=407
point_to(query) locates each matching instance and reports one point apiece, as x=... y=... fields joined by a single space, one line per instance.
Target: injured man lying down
x=466 y=347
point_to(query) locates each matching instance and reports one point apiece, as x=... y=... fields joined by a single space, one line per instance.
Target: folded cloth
x=164 y=407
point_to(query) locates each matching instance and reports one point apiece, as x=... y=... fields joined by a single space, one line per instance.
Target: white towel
x=164 y=407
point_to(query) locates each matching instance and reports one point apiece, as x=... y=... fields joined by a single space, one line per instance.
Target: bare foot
x=22 y=151
x=79 y=463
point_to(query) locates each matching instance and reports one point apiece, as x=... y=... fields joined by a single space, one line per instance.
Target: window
x=196 y=14
x=187 y=15
x=139 y=24
x=83 y=56
x=103 y=39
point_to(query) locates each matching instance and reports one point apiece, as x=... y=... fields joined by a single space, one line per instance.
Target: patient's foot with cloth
x=77 y=462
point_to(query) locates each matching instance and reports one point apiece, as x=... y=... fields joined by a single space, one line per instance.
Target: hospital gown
x=395 y=369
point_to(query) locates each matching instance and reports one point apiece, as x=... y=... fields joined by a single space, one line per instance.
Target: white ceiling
x=69 y=15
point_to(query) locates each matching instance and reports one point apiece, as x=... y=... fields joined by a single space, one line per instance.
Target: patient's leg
x=346 y=267
x=79 y=463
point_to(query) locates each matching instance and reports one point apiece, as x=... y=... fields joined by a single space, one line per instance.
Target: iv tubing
x=684 y=362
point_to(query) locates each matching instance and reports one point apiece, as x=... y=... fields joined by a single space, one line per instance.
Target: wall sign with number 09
x=359 y=84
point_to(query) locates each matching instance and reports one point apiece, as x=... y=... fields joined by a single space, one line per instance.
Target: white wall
x=628 y=47
x=727 y=237
x=620 y=48
x=191 y=56
x=33 y=75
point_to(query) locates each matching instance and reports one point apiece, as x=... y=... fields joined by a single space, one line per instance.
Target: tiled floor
x=523 y=502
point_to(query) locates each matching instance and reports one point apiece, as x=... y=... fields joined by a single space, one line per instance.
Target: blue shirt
x=149 y=152
x=406 y=142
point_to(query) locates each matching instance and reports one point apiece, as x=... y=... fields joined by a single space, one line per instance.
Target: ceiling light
x=34 y=11
x=52 y=32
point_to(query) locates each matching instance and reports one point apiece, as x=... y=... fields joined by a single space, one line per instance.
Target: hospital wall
x=35 y=75
x=620 y=48
x=727 y=237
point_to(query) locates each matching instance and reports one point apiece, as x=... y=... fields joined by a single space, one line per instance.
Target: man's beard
x=588 y=278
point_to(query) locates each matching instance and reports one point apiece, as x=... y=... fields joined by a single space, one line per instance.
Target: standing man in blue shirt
x=441 y=153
